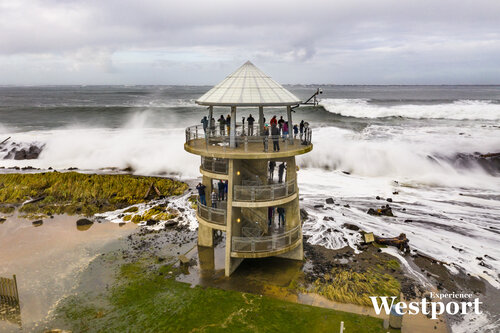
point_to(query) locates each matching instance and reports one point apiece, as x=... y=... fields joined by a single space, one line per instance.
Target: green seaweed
x=76 y=193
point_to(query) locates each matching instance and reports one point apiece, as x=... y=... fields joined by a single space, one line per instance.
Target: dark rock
x=328 y=218
x=350 y=226
x=347 y=206
x=408 y=221
x=82 y=222
x=330 y=201
x=346 y=172
x=151 y=222
x=2 y=219
x=319 y=206
x=389 y=199
x=395 y=192
x=377 y=197
x=37 y=223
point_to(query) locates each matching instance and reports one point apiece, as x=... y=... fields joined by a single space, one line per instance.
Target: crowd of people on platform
x=219 y=194
x=277 y=128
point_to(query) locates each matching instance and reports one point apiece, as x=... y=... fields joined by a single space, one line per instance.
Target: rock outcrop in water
x=20 y=151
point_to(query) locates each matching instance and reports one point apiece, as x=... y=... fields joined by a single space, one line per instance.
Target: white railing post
x=341 y=327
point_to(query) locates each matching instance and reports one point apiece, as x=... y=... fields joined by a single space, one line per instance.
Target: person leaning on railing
x=275 y=134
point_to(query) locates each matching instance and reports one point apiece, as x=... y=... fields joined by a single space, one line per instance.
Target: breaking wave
x=455 y=110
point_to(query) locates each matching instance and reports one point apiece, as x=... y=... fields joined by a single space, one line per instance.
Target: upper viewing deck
x=216 y=143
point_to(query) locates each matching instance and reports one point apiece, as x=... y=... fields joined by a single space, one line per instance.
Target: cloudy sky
x=200 y=42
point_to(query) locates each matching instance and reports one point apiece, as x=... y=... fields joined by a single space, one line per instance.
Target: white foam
x=458 y=110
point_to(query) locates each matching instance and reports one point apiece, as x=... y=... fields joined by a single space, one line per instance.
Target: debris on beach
x=383 y=211
x=401 y=242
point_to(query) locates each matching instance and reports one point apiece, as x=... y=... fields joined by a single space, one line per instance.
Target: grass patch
x=75 y=193
x=155 y=302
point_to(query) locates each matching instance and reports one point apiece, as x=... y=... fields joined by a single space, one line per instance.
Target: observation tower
x=236 y=158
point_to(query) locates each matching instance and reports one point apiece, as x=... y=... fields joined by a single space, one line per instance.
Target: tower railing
x=248 y=141
x=215 y=165
x=266 y=243
x=210 y=214
x=264 y=192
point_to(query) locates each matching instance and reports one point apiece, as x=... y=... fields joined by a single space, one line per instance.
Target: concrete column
x=232 y=135
x=210 y=113
x=205 y=236
x=290 y=123
x=230 y=263
x=261 y=120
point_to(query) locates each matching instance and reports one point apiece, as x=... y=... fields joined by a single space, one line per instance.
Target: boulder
x=82 y=222
x=351 y=226
x=330 y=201
x=37 y=223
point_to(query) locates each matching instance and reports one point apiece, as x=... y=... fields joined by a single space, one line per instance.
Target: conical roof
x=248 y=86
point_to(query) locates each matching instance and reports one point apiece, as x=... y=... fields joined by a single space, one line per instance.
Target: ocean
x=421 y=146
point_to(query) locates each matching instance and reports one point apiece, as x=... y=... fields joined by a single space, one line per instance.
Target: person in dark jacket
x=270 y=215
x=295 y=131
x=275 y=134
x=222 y=188
x=301 y=129
x=201 y=192
x=204 y=121
x=222 y=125
x=280 y=124
x=281 y=216
x=250 y=121
x=272 y=165
x=228 y=124
x=281 y=171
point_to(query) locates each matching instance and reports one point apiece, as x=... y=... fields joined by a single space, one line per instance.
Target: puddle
x=47 y=259
x=264 y=276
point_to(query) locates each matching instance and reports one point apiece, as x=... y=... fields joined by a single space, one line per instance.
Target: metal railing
x=213 y=215
x=218 y=137
x=265 y=243
x=215 y=165
x=264 y=192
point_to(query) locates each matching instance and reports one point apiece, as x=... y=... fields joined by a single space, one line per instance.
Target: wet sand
x=48 y=259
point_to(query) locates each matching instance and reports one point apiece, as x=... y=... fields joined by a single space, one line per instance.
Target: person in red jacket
x=274 y=121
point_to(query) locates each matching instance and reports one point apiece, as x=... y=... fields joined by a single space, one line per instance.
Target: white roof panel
x=248 y=86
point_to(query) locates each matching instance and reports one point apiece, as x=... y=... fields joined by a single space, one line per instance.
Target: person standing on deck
x=281 y=171
x=228 y=124
x=295 y=131
x=285 y=130
x=274 y=121
x=301 y=129
x=250 y=121
x=270 y=215
x=281 y=216
x=275 y=134
x=201 y=193
x=221 y=187
x=225 y=189
x=272 y=165
x=204 y=121
x=214 y=199
x=280 y=124
x=222 y=124
x=212 y=126
x=265 y=139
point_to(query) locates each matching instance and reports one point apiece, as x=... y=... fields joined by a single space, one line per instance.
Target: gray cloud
x=192 y=42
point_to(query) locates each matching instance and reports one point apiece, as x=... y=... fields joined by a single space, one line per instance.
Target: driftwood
x=4 y=141
x=34 y=200
x=401 y=242
x=152 y=190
